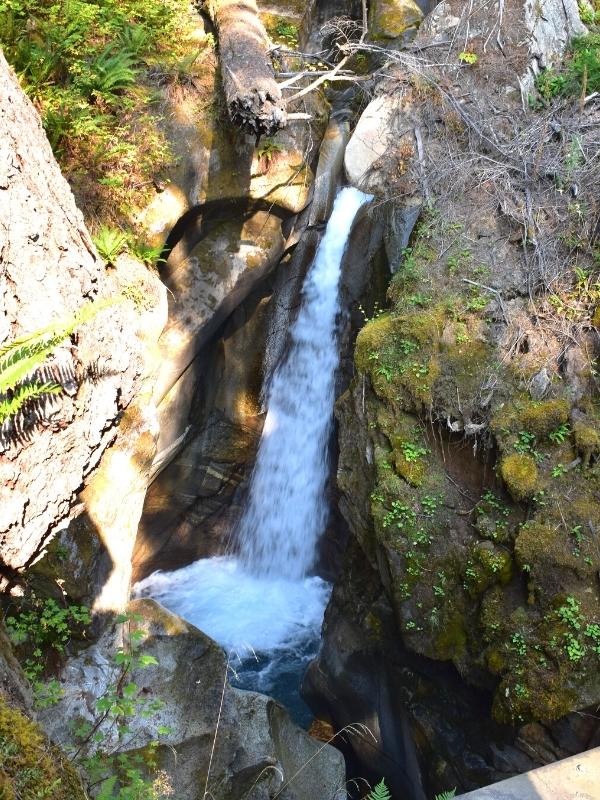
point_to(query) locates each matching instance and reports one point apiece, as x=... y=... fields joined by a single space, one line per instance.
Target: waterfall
x=263 y=599
x=287 y=511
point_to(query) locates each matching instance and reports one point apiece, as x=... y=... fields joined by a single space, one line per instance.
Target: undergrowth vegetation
x=105 y=746
x=579 y=73
x=86 y=66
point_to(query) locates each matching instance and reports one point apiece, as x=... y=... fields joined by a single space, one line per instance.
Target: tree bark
x=254 y=99
x=49 y=268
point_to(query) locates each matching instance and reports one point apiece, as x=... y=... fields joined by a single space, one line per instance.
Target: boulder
x=229 y=742
x=389 y=19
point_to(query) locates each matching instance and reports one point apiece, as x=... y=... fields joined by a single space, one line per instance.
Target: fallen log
x=254 y=99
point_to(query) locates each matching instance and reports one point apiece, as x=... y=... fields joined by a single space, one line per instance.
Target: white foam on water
x=242 y=611
x=262 y=599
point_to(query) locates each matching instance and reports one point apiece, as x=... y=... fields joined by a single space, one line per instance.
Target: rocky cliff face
x=469 y=434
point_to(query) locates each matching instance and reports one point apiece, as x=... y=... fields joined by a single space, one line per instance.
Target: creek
x=263 y=601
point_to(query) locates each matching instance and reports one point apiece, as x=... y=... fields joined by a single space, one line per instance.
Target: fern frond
x=380 y=792
x=447 y=795
x=9 y=406
x=109 y=243
x=22 y=356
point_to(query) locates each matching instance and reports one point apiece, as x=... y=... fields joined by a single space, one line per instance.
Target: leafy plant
x=379 y=792
x=468 y=58
x=20 y=359
x=110 y=243
x=268 y=150
x=447 y=795
x=111 y=72
x=413 y=452
x=82 y=63
x=146 y=253
x=561 y=433
x=580 y=71
x=40 y=628
x=122 y=776
x=288 y=32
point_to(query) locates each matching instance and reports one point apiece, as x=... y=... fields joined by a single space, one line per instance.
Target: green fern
x=10 y=406
x=447 y=795
x=20 y=358
x=146 y=253
x=109 y=243
x=380 y=792
x=110 y=72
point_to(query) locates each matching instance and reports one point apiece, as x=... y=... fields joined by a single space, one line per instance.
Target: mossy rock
x=555 y=563
x=493 y=614
x=535 y=696
x=29 y=762
x=451 y=641
x=486 y=566
x=538 y=417
x=389 y=19
x=544 y=416
x=587 y=440
x=520 y=474
x=399 y=352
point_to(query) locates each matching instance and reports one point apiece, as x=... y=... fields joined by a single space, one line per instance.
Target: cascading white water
x=262 y=599
x=287 y=511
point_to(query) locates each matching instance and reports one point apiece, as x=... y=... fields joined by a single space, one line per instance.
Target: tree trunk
x=254 y=99
x=49 y=268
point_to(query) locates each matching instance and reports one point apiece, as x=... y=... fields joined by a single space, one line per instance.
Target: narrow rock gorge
x=299 y=423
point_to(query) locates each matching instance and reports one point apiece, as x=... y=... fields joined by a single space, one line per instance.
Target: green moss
x=520 y=474
x=496 y=662
x=540 y=418
x=462 y=364
x=389 y=19
x=451 y=642
x=371 y=340
x=587 y=440
x=536 y=417
x=536 y=541
x=399 y=353
x=493 y=614
x=534 y=696
x=28 y=762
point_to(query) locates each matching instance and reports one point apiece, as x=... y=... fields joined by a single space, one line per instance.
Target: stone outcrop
x=389 y=19
x=459 y=434
x=258 y=752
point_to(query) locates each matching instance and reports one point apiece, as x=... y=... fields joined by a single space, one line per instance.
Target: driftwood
x=254 y=99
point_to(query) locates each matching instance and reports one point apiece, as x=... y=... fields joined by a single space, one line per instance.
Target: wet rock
x=210 y=282
x=257 y=749
x=389 y=19
x=379 y=126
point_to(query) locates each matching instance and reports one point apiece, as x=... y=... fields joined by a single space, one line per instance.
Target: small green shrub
x=84 y=63
x=288 y=32
x=268 y=150
x=580 y=70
